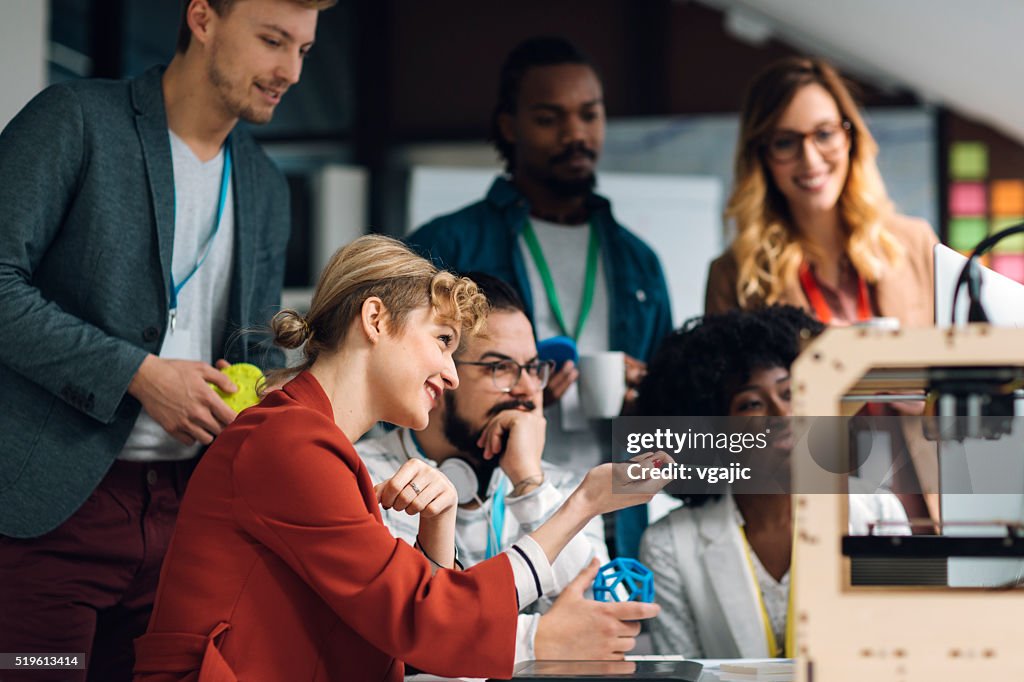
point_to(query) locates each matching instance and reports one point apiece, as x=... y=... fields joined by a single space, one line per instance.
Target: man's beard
x=568 y=189
x=236 y=106
x=463 y=436
x=575 y=187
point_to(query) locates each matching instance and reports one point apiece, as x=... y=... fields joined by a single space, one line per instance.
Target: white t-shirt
x=203 y=302
x=572 y=441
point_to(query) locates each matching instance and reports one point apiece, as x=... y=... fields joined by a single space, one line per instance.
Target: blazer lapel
x=726 y=565
x=895 y=294
x=245 y=242
x=151 y=125
x=793 y=294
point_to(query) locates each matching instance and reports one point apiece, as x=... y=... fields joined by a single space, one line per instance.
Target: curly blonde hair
x=375 y=265
x=767 y=248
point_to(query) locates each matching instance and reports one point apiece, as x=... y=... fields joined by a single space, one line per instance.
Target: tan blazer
x=905 y=291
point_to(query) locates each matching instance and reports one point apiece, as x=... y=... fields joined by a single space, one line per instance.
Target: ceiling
x=962 y=54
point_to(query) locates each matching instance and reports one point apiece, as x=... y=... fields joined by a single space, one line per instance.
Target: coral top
x=280 y=569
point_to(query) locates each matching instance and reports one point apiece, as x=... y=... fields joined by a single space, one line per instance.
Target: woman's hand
x=417 y=488
x=609 y=487
x=604 y=489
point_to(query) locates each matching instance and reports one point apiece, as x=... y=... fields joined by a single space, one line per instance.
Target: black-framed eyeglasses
x=829 y=139
x=506 y=373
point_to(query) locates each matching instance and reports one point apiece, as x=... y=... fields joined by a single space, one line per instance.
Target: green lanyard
x=593 y=248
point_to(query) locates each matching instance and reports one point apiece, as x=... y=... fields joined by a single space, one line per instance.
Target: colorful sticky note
x=1009 y=264
x=968 y=160
x=1007 y=197
x=965 y=233
x=967 y=199
x=1014 y=244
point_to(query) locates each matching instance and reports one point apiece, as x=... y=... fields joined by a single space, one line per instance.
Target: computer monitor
x=1002 y=297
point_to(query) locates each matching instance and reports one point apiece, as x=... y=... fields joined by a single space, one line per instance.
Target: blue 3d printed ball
x=624 y=580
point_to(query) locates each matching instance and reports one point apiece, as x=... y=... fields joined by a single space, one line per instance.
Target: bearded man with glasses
x=494 y=423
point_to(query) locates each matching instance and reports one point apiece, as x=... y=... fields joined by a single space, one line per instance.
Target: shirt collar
x=504 y=194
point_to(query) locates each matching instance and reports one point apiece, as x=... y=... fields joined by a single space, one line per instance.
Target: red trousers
x=88 y=586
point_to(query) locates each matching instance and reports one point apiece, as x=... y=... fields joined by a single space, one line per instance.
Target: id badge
x=571 y=410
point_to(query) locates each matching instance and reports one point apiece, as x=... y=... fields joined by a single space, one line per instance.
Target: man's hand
x=517 y=437
x=559 y=383
x=636 y=370
x=578 y=628
x=175 y=394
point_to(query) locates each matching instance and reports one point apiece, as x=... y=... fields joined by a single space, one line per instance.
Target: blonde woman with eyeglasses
x=814 y=225
x=816 y=229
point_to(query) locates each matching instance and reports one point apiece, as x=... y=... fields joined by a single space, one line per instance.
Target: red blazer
x=280 y=569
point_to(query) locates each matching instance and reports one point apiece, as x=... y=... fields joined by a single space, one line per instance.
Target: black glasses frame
x=493 y=364
x=845 y=126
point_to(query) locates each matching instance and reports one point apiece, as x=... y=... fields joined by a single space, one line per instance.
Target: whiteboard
x=704 y=145
x=677 y=215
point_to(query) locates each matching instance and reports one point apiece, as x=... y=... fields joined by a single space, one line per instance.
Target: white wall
x=341 y=211
x=24 y=29
x=677 y=215
x=339 y=216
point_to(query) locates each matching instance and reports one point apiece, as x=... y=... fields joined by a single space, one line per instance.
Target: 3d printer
x=902 y=631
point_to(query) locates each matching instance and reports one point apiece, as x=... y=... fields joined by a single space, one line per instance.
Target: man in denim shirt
x=543 y=229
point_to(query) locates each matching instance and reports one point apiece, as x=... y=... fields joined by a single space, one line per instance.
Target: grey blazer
x=710 y=601
x=86 y=231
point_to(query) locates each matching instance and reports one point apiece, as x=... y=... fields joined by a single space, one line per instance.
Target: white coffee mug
x=602 y=384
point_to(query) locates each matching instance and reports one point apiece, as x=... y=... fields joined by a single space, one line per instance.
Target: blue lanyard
x=497 y=515
x=225 y=181
x=497 y=518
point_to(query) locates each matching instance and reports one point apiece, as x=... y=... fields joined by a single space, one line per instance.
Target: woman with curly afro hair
x=722 y=562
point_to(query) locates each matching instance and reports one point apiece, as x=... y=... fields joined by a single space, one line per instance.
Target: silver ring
x=415 y=488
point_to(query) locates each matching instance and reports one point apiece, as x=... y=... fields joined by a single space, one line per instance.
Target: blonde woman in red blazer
x=280 y=567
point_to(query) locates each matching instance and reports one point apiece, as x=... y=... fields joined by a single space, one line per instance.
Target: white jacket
x=709 y=599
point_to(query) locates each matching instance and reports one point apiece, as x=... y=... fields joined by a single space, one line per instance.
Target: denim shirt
x=484 y=236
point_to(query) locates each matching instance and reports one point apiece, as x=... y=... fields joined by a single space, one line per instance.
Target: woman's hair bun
x=290 y=329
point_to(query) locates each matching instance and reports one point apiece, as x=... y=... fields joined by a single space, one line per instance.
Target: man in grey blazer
x=140 y=234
